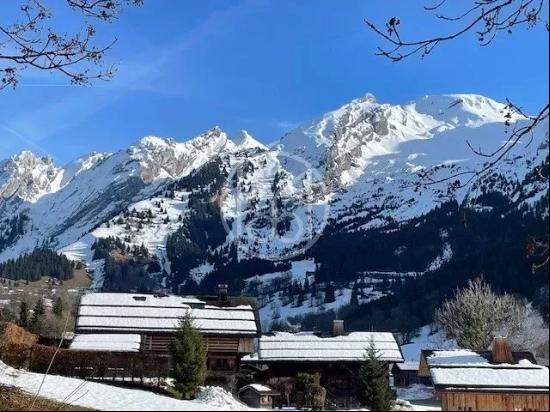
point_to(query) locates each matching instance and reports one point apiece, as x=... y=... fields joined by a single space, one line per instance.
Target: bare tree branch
x=486 y=18
x=33 y=44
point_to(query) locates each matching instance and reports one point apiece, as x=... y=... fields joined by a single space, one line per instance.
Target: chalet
x=481 y=381
x=336 y=358
x=124 y=322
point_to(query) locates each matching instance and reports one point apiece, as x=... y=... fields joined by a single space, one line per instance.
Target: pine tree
x=188 y=359
x=38 y=312
x=306 y=285
x=58 y=307
x=329 y=293
x=23 y=314
x=354 y=299
x=375 y=392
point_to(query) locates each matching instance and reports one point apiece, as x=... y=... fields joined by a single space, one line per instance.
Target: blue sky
x=264 y=66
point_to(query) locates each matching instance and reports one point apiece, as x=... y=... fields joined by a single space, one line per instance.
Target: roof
x=307 y=347
x=260 y=389
x=504 y=378
x=107 y=342
x=408 y=366
x=467 y=357
x=465 y=369
x=136 y=313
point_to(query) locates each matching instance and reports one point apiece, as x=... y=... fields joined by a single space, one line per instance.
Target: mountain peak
x=246 y=141
x=28 y=177
x=153 y=142
x=470 y=110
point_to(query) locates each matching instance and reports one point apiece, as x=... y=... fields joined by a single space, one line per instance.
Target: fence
x=97 y=365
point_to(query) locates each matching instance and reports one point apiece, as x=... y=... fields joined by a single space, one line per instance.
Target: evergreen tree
x=354 y=299
x=329 y=293
x=23 y=314
x=188 y=359
x=375 y=392
x=58 y=307
x=38 y=313
x=306 y=285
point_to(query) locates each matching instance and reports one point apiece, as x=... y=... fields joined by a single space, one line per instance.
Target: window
x=222 y=363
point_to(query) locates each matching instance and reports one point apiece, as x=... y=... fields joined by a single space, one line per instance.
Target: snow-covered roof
x=126 y=313
x=137 y=300
x=510 y=377
x=455 y=357
x=303 y=347
x=259 y=388
x=408 y=366
x=467 y=358
x=107 y=342
x=468 y=369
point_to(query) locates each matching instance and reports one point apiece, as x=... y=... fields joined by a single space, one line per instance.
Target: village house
x=129 y=322
x=485 y=381
x=336 y=358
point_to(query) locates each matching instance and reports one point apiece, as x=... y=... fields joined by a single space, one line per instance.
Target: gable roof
x=408 y=366
x=138 y=313
x=308 y=347
x=468 y=370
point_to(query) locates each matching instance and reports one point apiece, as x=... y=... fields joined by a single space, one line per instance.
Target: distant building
x=336 y=358
x=407 y=374
x=128 y=322
x=490 y=380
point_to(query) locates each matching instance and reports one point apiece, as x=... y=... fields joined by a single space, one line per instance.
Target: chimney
x=223 y=297
x=502 y=353
x=338 y=328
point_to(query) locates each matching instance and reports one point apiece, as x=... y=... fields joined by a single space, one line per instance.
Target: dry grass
x=12 y=399
x=13 y=337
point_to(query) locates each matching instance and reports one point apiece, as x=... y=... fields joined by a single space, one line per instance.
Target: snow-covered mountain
x=354 y=169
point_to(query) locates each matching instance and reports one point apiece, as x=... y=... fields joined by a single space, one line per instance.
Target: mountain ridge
x=205 y=207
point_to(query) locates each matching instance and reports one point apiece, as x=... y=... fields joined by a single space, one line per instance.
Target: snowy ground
x=104 y=397
x=426 y=340
x=415 y=392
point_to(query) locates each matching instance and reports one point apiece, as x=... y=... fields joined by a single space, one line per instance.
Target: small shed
x=256 y=395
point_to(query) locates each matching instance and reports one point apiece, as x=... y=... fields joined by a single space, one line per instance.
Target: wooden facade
x=339 y=379
x=223 y=352
x=471 y=400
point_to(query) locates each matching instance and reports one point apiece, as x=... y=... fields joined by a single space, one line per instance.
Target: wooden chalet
x=128 y=322
x=336 y=358
x=487 y=381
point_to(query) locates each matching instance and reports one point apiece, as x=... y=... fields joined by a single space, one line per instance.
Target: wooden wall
x=492 y=401
x=225 y=344
x=423 y=369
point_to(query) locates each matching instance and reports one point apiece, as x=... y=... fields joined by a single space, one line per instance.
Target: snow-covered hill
x=353 y=169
